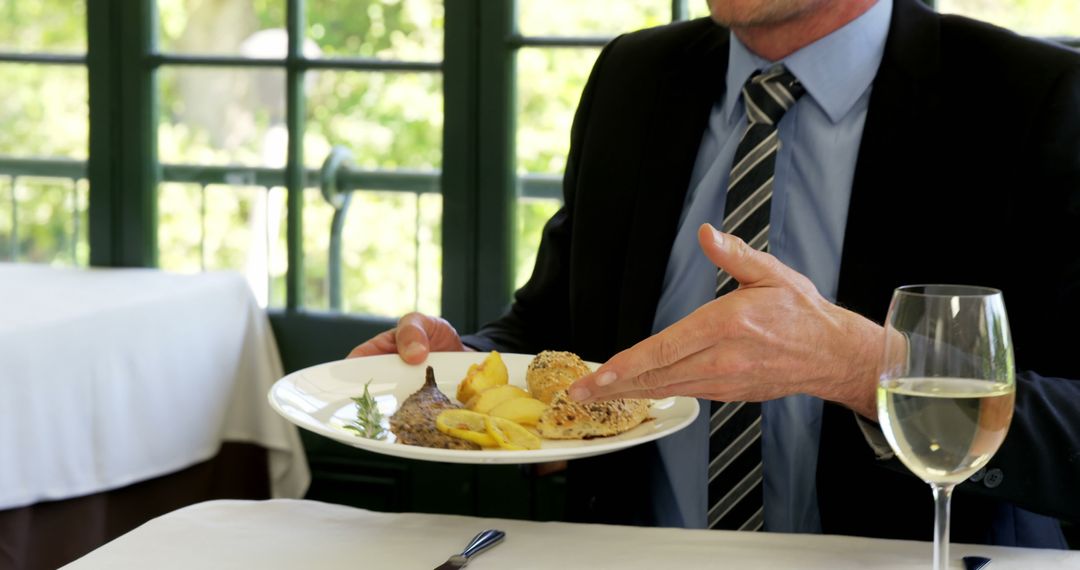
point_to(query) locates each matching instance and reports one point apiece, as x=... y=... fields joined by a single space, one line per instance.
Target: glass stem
x=942 y=498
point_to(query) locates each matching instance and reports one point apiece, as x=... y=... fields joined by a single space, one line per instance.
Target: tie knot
x=769 y=94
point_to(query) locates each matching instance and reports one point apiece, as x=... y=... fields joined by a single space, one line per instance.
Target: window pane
x=549 y=88
x=388 y=120
x=8 y=243
x=1056 y=18
x=548 y=92
x=219 y=226
x=278 y=261
x=699 y=8
x=532 y=214
x=28 y=26
x=43 y=220
x=44 y=111
x=402 y=30
x=248 y=28
x=391 y=255
x=180 y=227
x=318 y=215
x=222 y=116
x=581 y=18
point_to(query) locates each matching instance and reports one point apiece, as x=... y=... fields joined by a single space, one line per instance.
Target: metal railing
x=72 y=171
x=337 y=180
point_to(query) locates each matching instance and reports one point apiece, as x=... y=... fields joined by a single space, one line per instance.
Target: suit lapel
x=683 y=103
x=882 y=240
x=887 y=196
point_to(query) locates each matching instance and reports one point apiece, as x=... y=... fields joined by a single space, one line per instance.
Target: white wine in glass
x=945 y=399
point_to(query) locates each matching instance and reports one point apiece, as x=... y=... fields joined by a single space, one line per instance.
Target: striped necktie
x=735 y=472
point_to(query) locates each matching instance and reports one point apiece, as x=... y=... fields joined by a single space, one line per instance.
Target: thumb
x=418 y=334
x=412 y=337
x=745 y=264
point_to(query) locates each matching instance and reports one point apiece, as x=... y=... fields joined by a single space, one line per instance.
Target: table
x=113 y=376
x=307 y=534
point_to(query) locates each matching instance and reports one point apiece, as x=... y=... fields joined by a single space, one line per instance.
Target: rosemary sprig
x=368 y=421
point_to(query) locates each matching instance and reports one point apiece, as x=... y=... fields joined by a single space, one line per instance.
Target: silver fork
x=478 y=544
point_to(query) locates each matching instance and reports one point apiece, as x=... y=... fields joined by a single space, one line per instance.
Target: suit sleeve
x=1038 y=465
x=539 y=317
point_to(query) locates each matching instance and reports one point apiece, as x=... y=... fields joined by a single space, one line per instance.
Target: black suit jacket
x=968 y=172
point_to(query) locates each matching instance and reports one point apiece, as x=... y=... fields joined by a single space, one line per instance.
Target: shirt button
x=978 y=475
x=993 y=478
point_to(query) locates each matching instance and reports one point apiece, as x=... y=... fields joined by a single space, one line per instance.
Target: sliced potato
x=510 y=435
x=525 y=411
x=491 y=397
x=489 y=373
x=467 y=425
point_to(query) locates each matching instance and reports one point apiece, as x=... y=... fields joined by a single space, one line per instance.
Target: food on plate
x=502 y=416
x=551 y=371
x=491 y=397
x=567 y=419
x=467 y=425
x=368 y=422
x=485 y=430
x=414 y=421
x=525 y=411
x=510 y=435
x=549 y=375
x=489 y=373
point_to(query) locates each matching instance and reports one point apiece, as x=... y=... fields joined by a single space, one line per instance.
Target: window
x=44 y=142
x=350 y=157
x=370 y=91
x=559 y=41
x=1046 y=18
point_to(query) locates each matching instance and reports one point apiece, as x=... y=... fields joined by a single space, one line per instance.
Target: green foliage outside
x=226 y=116
x=43 y=113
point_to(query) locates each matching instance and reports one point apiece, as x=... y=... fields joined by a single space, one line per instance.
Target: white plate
x=318 y=399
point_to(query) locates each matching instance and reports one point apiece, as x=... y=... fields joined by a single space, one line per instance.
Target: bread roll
x=567 y=419
x=550 y=374
x=551 y=371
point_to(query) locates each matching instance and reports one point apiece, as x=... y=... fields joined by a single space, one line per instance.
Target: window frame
x=478 y=179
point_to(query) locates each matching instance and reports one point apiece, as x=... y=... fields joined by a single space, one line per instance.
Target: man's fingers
x=704 y=389
x=414 y=337
x=413 y=343
x=383 y=343
x=676 y=354
x=745 y=264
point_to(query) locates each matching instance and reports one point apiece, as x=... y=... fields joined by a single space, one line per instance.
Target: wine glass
x=945 y=397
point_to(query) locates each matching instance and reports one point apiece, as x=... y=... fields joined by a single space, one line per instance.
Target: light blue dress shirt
x=815 y=167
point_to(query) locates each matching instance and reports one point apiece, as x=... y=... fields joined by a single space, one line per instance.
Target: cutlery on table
x=478 y=544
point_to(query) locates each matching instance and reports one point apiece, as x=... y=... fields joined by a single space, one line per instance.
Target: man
x=913 y=148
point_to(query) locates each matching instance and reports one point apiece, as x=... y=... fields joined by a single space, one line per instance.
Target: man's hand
x=772 y=337
x=413 y=338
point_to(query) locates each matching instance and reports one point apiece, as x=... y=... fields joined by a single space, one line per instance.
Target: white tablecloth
x=305 y=534
x=112 y=376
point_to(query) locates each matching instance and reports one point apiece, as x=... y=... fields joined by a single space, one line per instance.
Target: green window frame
x=479 y=181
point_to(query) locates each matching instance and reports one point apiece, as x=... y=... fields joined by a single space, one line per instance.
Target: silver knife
x=478 y=544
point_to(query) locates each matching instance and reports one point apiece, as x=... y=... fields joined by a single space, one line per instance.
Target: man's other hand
x=772 y=337
x=413 y=338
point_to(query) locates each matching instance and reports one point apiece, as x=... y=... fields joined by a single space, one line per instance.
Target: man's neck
x=777 y=41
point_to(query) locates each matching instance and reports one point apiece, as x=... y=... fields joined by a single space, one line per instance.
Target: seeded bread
x=567 y=419
x=551 y=371
x=549 y=375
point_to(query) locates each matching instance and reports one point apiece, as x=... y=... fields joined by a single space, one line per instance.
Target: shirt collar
x=856 y=48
